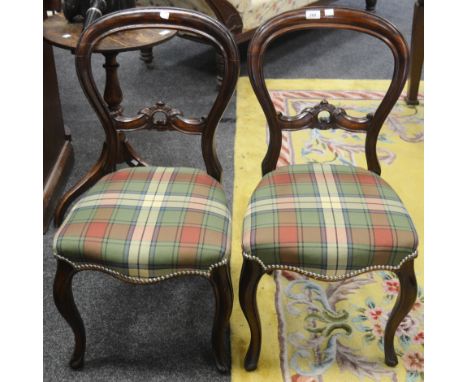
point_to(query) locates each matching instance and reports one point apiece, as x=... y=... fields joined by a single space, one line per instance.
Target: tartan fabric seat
x=148 y=222
x=327 y=219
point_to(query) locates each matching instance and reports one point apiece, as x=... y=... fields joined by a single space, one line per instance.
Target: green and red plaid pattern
x=327 y=219
x=147 y=222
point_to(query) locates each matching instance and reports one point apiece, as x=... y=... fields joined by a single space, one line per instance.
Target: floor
x=162 y=332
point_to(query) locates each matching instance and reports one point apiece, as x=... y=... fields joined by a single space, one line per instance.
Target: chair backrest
x=333 y=18
x=159 y=116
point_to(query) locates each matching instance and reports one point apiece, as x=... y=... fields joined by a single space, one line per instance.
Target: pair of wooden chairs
x=143 y=225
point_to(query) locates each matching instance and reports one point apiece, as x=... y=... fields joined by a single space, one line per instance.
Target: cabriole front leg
x=404 y=303
x=251 y=274
x=63 y=298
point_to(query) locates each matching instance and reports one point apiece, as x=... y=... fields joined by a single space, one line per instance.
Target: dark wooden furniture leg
x=57 y=147
x=112 y=91
x=113 y=97
x=404 y=303
x=146 y=55
x=370 y=5
x=63 y=297
x=251 y=274
x=416 y=54
x=222 y=288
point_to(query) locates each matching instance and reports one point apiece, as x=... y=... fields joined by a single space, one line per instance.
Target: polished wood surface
x=63 y=34
x=224 y=297
x=310 y=118
x=251 y=274
x=417 y=53
x=57 y=148
x=63 y=298
x=406 y=298
x=152 y=117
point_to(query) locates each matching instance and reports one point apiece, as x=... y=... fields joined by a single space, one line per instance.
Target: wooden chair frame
x=116 y=148
x=115 y=125
x=253 y=269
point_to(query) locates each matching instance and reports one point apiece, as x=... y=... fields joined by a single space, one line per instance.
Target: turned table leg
x=146 y=55
x=112 y=91
x=113 y=97
x=416 y=54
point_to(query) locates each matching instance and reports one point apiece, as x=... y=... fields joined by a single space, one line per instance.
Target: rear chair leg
x=404 y=303
x=251 y=274
x=63 y=298
x=222 y=289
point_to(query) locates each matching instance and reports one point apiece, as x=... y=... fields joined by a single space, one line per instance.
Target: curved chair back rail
x=341 y=18
x=149 y=117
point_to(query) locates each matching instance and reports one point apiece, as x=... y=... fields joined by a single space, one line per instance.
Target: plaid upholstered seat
x=147 y=222
x=327 y=219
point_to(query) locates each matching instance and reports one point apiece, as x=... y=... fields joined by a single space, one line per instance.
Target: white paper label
x=164 y=32
x=313 y=14
x=164 y=15
x=329 y=12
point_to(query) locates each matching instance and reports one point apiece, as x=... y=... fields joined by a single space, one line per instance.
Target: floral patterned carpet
x=317 y=331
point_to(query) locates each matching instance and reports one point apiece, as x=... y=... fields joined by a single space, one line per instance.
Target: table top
x=60 y=32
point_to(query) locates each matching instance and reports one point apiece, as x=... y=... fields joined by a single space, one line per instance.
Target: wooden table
x=63 y=34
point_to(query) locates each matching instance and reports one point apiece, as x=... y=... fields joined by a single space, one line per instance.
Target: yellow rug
x=352 y=348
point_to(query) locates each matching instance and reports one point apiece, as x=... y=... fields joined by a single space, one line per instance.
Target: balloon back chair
x=328 y=222
x=146 y=224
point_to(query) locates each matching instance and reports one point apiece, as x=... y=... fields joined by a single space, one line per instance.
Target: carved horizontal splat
x=336 y=118
x=160 y=117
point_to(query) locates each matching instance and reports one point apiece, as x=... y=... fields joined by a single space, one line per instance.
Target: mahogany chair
x=328 y=222
x=143 y=225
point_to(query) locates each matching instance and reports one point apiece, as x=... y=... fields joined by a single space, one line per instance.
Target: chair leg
x=370 y=5
x=404 y=303
x=251 y=274
x=416 y=54
x=63 y=298
x=222 y=288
